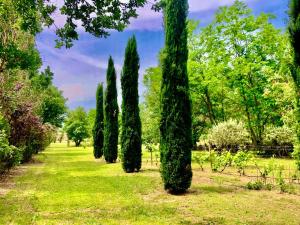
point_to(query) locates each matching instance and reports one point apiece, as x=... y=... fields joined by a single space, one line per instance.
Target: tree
x=77 y=126
x=111 y=112
x=131 y=140
x=99 y=125
x=96 y=17
x=176 y=121
x=294 y=31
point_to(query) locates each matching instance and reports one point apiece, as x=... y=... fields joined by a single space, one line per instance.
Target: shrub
x=9 y=155
x=255 y=185
x=279 y=136
x=230 y=133
x=219 y=162
x=201 y=159
x=241 y=160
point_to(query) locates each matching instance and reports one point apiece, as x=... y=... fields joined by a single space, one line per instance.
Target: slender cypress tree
x=131 y=139
x=294 y=31
x=176 y=122
x=111 y=112
x=99 y=125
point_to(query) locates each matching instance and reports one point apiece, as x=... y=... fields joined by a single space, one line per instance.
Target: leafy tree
x=77 y=126
x=294 y=31
x=99 y=125
x=91 y=118
x=131 y=140
x=232 y=75
x=111 y=112
x=96 y=17
x=176 y=122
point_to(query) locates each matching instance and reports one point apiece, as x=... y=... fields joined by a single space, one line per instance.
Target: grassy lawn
x=68 y=186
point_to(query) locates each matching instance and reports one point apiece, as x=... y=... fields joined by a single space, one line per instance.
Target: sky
x=78 y=70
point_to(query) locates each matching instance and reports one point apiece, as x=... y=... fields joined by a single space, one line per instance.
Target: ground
x=68 y=186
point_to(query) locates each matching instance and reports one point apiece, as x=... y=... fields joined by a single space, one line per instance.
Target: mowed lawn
x=68 y=186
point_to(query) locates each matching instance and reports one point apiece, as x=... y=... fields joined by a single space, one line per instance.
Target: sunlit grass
x=69 y=186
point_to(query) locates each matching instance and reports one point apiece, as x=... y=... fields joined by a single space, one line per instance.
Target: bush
x=279 y=136
x=9 y=155
x=201 y=159
x=230 y=134
x=255 y=185
x=219 y=162
x=241 y=160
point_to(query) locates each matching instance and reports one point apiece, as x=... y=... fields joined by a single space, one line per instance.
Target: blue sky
x=78 y=70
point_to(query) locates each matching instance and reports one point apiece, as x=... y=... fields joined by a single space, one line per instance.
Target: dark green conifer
x=99 y=125
x=131 y=141
x=176 y=122
x=111 y=112
x=294 y=31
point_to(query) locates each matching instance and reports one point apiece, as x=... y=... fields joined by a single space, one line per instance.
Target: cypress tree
x=176 y=122
x=111 y=112
x=131 y=140
x=99 y=125
x=294 y=31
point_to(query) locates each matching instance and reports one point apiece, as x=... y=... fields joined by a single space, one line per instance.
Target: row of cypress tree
x=106 y=127
x=176 y=122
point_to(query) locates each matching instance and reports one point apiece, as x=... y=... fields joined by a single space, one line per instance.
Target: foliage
x=229 y=133
x=9 y=155
x=233 y=76
x=111 y=112
x=294 y=33
x=256 y=185
x=77 y=126
x=201 y=159
x=99 y=124
x=241 y=160
x=219 y=162
x=131 y=136
x=176 y=122
x=279 y=135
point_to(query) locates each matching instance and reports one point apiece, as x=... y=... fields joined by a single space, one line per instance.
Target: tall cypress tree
x=99 y=125
x=176 y=122
x=111 y=112
x=131 y=123
x=294 y=31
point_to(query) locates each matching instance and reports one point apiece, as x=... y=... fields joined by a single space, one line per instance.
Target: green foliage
x=131 y=136
x=229 y=133
x=9 y=155
x=111 y=112
x=255 y=185
x=294 y=31
x=201 y=159
x=220 y=161
x=241 y=161
x=279 y=135
x=98 y=129
x=77 y=126
x=176 y=122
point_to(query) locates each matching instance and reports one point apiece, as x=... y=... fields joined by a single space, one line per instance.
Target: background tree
x=294 y=31
x=99 y=125
x=111 y=112
x=131 y=137
x=176 y=122
x=77 y=126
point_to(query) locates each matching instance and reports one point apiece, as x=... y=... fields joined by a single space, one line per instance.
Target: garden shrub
x=9 y=155
x=230 y=134
x=241 y=160
x=201 y=159
x=279 y=136
x=255 y=185
x=220 y=161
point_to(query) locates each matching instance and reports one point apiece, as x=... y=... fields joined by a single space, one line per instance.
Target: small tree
x=77 y=126
x=131 y=139
x=111 y=112
x=176 y=121
x=294 y=30
x=99 y=125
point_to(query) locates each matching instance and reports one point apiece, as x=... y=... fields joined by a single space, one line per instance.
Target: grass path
x=69 y=187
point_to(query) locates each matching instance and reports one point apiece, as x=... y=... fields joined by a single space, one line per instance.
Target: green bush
x=9 y=155
x=219 y=162
x=255 y=185
x=279 y=136
x=241 y=160
x=201 y=159
x=228 y=134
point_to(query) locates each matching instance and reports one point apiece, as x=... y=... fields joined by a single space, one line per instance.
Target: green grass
x=68 y=186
